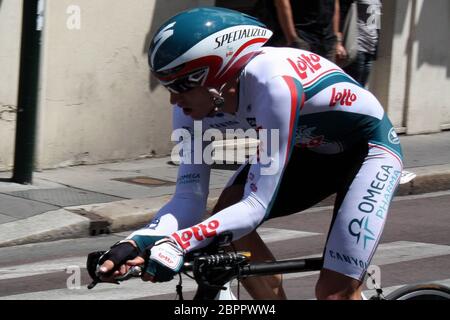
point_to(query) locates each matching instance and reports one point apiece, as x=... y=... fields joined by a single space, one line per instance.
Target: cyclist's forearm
x=285 y=17
x=180 y=212
x=239 y=219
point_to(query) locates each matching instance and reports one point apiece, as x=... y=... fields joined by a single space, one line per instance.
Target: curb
x=51 y=225
x=84 y=221
x=104 y=218
x=124 y=215
x=428 y=179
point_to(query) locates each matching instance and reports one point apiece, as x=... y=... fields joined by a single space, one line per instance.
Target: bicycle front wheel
x=421 y=292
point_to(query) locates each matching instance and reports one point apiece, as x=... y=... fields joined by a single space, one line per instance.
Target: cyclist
x=332 y=136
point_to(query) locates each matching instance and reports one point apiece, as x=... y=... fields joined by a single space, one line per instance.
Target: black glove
x=119 y=253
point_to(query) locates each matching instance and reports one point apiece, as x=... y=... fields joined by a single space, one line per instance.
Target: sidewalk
x=90 y=200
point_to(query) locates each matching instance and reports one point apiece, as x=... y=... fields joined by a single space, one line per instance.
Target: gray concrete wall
x=98 y=102
x=412 y=74
x=10 y=28
x=429 y=94
x=388 y=77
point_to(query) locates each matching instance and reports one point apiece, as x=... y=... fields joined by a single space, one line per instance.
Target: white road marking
x=387 y=253
x=43 y=267
x=392 y=252
x=131 y=289
x=400 y=198
x=388 y=290
x=423 y=196
x=267 y=234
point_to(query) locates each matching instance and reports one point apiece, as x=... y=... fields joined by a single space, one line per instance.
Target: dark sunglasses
x=186 y=82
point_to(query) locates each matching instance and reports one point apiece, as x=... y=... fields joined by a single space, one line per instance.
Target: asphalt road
x=415 y=247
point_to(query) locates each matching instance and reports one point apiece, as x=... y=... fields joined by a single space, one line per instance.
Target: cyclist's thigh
x=308 y=178
x=303 y=184
x=359 y=220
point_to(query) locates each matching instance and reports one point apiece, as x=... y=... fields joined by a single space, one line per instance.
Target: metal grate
x=146 y=181
x=65 y=197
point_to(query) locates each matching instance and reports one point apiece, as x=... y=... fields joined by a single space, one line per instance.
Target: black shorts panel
x=311 y=177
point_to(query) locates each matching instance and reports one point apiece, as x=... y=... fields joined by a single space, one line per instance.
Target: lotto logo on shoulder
x=199 y=232
x=345 y=98
x=306 y=65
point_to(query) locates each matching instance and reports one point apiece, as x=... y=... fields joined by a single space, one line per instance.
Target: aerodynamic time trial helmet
x=205 y=46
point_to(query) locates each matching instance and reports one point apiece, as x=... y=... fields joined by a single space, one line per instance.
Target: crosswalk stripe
x=131 y=289
x=388 y=290
x=42 y=267
x=387 y=253
x=401 y=251
x=392 y=252
x=267 y=234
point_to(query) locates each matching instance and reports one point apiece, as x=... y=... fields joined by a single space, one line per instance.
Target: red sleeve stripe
x=297 y=101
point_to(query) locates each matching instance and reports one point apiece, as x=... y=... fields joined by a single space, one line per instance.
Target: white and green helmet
x=204 y=46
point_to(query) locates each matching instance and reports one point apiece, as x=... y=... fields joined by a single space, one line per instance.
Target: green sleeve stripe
x=327 y=81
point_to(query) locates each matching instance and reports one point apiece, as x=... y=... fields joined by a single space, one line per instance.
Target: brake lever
x=133 y=272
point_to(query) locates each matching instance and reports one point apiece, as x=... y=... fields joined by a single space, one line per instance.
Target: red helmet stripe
x=245 y=45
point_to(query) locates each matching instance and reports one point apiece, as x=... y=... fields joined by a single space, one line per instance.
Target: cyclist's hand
x=341 y=53
x=113 y=262
x=298 y=43
x=165 y=259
